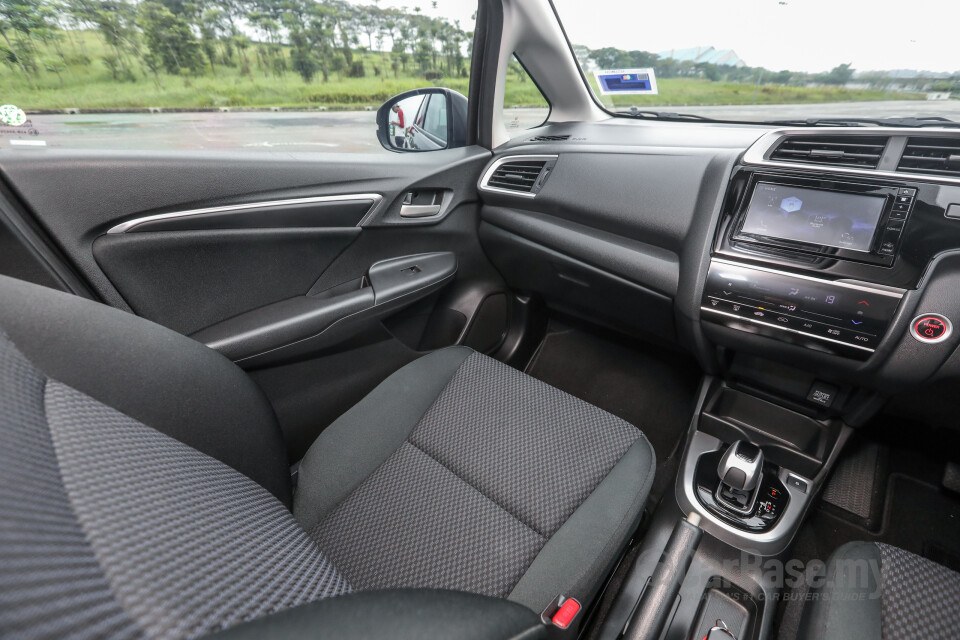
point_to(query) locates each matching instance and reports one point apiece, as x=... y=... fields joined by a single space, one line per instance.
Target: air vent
x=937 y=156
x=861 y=152
x=522 y=176
x=549 y=138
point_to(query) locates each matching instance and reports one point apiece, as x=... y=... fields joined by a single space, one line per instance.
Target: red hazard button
x=930 y=328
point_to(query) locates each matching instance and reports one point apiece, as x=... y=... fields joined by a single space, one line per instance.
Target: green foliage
x=610 y=58
x=170 y=38
x=839 y=75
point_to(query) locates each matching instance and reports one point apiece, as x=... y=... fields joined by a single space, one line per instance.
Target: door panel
x=79 y=195
x=190 y=280
x=235 y=257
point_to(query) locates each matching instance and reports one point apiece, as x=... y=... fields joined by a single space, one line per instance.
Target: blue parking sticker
x=626 y=81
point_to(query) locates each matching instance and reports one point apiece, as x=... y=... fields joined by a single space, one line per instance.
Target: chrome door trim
x=124 y=227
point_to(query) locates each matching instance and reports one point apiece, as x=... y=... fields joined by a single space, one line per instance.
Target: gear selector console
x=737 y=486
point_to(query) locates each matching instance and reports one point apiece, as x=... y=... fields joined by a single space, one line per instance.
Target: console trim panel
x=843 y=318
x=787 y=329
x=883 y=290
x=768 y=543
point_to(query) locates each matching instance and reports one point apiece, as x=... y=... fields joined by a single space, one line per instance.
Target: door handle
x=418 y=210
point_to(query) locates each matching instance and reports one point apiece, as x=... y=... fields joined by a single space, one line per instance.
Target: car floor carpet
x=649 y=386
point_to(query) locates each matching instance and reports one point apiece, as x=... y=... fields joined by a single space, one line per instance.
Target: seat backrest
x=111 y=528
x=152 y=374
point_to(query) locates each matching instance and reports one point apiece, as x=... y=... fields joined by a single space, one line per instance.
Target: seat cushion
x=460 y=472
x=874 y=590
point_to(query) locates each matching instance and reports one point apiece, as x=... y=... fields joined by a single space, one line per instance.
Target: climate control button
x=930 y=328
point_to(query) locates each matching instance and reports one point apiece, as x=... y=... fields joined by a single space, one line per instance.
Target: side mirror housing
x=423 y=120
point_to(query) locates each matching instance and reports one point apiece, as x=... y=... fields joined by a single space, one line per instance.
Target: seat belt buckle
x=561 y=612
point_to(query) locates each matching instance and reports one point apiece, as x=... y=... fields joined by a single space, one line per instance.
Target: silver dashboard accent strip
x=485 y=178
x=787 y=329
x=758 y=153
x=124 y=227
x=891 y=292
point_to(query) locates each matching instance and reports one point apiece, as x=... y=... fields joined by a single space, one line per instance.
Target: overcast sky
x=800 y=35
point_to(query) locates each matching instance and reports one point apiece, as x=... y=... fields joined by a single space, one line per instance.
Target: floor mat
x=851 y=485
x=648 y=386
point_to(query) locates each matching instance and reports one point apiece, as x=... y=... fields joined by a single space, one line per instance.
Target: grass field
x=92 y=87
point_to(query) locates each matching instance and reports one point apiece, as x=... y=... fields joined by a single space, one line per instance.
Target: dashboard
x=833 y=250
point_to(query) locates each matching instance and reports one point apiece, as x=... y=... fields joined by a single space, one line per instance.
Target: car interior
x=588 y=381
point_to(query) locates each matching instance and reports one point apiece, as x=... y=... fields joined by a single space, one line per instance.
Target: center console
x=806 y=225
x=824 y=291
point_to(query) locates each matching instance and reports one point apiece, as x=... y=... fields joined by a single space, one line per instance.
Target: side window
x=307 y=75
x=436 y=119
x=524 y=107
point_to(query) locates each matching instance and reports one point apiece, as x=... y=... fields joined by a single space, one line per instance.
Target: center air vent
x=937 y=156
x=523 y=175
x=839 y=151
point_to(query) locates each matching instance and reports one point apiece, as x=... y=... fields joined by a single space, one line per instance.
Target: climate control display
x=846 y=318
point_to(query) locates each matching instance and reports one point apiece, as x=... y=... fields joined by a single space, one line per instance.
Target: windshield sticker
x=12 y=115
x=13 y=121
x=626 y=81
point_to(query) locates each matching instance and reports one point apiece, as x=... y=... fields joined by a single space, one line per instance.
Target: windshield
x=763 y=60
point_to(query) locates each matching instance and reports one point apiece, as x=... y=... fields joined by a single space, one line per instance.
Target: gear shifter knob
x=740 y=466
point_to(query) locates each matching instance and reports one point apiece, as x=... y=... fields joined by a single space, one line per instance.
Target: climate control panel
x=838 y=317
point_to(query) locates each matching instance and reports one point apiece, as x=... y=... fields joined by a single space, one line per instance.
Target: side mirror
x=423 y=120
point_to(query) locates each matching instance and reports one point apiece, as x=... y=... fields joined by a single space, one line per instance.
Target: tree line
x=312 y=38
x=613 y=58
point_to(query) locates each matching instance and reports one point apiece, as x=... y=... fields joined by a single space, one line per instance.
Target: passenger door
x=319 y=273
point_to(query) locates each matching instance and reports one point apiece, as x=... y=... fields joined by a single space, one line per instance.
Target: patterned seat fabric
x=490 y=472
x=920 y=598
x=874 y=590
x=110 y=528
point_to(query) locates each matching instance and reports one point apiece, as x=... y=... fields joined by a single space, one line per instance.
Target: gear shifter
x=740 y=470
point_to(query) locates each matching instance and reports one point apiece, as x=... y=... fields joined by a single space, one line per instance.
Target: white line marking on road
x=290 y=144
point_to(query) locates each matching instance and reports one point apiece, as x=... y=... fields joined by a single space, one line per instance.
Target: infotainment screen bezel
x=873 y=256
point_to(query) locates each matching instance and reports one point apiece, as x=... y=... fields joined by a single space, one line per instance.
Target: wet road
x=347 y=131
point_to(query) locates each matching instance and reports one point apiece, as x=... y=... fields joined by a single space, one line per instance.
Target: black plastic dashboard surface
x=681 y=188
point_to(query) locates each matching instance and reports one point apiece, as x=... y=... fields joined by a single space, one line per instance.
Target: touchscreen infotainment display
x=828 y=218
